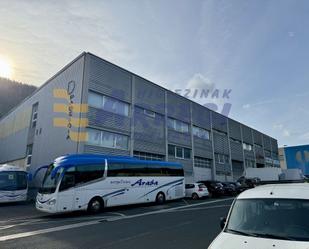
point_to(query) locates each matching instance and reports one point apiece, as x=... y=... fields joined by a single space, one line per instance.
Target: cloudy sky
x=256 y=51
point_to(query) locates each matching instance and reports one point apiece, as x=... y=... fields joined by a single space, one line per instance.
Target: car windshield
x=13 y=180
x=285 y=219
x=202 y=185
x=49 y=184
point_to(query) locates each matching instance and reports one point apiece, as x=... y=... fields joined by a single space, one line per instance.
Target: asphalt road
x=183 y=224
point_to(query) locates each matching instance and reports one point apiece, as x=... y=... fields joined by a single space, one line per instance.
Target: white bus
x=13 y=184
x=92 y=182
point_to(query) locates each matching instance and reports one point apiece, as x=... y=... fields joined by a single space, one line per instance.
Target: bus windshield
x=13 y=180
x=49 y=184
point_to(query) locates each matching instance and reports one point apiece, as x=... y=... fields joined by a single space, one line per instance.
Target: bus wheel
x=95 y=205
x=160 y=199
x=195 y=196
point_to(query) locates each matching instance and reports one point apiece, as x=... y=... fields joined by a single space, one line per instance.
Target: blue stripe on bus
x=122 y=193
x=164 y=185
x=115 y=192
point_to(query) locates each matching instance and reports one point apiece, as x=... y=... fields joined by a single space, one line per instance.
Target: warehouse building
x=94 y=106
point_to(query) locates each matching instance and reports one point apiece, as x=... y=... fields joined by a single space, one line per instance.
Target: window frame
x=175 y=147
x=174 y=123
x=115 y=136
x=114 y=102
x=198 y=130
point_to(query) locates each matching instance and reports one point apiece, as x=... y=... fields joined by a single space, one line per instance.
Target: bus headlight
x=52 y=202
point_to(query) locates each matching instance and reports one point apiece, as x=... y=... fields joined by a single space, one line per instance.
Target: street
x=182 y=224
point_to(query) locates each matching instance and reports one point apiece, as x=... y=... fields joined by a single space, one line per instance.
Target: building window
x=148 y=156
x=29 y=154
x=202 y=162
x=247 y=146
x=179 y=152
x=107 y=103
x=107 y=139
x=150 y=113
x=34 y=116
x=201 y=133
x=177 y=125
x=222 y=159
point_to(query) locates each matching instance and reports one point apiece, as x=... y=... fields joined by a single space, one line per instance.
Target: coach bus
x=13 y=184
x=92 y=182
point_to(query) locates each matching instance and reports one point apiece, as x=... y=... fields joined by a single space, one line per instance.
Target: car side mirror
x=222 y=222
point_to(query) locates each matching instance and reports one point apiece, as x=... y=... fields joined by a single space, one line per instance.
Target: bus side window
x=68 y=180
x=87 y=173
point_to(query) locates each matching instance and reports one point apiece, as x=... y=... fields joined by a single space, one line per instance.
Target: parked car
x=196 y=190
x=229 y=188
x=249 y=182
x=238 y=187
x=215 y=188
x=269 y=216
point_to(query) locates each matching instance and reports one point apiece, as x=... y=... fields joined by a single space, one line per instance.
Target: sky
x=251 y=56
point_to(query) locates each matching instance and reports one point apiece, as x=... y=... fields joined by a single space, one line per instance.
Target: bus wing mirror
x=37 y=171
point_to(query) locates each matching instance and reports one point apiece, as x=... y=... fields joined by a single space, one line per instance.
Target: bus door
x=66 y=194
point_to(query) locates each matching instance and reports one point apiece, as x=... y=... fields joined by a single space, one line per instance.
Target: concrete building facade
x=94 y=106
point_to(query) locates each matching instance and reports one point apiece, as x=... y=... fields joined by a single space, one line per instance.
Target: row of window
x=179 y=152
x=178 y=125
x=86 y=173
x=113 y=105
x=119 y=169
x=107 y=139
x=109 y=104
x=201 y=133
x=202 y=162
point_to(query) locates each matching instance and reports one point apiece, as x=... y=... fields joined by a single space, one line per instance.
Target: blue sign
x=297 y=157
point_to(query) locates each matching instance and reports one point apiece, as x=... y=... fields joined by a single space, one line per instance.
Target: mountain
x=12 y=93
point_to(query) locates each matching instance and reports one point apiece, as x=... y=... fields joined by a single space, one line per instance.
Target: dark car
x=215 y=188
x=238 y=187
x=249 y=182
x=229 y=188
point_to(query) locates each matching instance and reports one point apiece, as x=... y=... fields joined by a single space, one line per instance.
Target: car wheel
x=160 y=199
x=195 y=196
x=95 y=205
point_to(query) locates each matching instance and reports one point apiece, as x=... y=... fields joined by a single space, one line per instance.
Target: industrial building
x=295 y=157
x=94 y=106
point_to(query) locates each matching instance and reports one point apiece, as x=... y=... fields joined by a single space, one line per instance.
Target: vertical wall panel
x=178 y=107
x=109 y=79
x=234 y=129
x=201 y=116
x=219 y=122
x=149 y=96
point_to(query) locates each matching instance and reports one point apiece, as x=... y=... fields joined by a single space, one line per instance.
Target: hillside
x=12 y=93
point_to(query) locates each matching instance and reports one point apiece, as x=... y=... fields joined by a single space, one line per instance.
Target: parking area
x=178 y=224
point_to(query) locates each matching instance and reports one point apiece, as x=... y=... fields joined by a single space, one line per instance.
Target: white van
x=270 y=216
